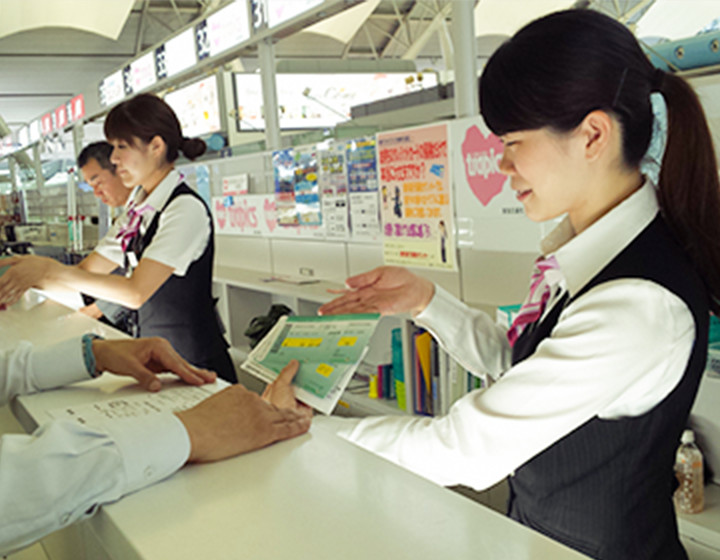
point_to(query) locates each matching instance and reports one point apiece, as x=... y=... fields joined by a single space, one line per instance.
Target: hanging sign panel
x=416 y=191
x=176 y=54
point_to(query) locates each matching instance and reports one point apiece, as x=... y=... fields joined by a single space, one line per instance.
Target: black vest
x=606 y=488
x=182 y=310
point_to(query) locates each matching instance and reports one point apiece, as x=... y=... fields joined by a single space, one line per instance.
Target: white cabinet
x=700 y=532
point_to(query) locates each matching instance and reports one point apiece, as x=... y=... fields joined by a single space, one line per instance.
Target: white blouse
x=616 y=351
x=183 y=230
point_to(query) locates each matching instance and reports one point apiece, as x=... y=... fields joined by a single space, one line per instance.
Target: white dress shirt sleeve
x=26 y=369
x=476 y=342
x=182 y=235
x=617 y=350
x=65 y=470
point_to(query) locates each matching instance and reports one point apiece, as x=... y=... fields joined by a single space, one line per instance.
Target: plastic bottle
x=689 y=497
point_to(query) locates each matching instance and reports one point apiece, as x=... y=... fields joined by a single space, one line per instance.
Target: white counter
x=316 y=496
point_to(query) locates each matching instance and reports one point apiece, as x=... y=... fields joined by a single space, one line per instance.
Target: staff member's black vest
x=182 y=310
x=606 y=488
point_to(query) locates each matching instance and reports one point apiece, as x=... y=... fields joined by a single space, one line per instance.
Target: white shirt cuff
x=152 y=447
x=58 y=364
x=442 y=307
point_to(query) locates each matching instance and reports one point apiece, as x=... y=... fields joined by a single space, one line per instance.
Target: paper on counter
x=169 y=399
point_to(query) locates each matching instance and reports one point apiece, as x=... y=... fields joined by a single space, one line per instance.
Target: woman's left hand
x=25 y=272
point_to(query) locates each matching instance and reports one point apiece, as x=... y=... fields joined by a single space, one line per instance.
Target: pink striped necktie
x=536 y=301
x=132 y=227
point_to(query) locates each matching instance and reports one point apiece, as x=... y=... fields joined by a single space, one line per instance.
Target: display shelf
x=244 y=294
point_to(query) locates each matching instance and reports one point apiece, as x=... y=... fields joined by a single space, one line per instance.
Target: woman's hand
x=25 y=272
x=387 y=290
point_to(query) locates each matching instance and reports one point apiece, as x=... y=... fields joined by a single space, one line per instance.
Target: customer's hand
x=28 y=271
x=387 y=290
x=142 y=358
x=280 y=392
x=236 y=421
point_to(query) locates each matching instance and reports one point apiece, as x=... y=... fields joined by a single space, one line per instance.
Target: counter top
x=316 y=496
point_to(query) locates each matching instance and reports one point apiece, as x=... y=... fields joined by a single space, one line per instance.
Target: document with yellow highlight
x=329 y=350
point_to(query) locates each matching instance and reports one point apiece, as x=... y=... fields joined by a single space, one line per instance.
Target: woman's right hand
x=29 y=271
x=386 y=290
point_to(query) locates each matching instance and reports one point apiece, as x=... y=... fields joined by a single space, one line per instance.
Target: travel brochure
x=329 y=350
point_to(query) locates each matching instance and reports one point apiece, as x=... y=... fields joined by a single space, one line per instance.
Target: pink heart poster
x=481 y=155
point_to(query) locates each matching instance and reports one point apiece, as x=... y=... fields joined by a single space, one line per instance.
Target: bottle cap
x=687 y=437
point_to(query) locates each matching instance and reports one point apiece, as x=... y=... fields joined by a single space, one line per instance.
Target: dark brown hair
x=559 y=68
x=146 y=116
x=100 y=152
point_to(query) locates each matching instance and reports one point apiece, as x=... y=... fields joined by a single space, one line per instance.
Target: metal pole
x=37 y=165
x=266 y=56
x=465 y=59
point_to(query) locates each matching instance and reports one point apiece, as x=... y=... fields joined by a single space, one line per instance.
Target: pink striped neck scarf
x=132 y=227
x=536 y=301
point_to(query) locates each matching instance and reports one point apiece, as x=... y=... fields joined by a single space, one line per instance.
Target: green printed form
x=326 y=347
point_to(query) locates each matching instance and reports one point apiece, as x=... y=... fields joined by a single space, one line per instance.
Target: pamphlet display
x=415 y=189
x=334 y=187
x=363 y=188
x=307 y=197
x=284 y=173
x=329 y=350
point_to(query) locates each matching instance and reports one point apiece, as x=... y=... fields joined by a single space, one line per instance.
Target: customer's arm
x=65 y=471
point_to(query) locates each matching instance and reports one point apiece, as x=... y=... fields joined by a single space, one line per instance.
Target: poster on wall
x=489 y=216
x=415 y=190
x=363 y=188
x=283 y=162
x=333 y=189
x=307 y=196
x=249 y=214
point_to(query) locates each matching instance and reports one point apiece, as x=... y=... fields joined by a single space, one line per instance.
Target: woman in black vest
x=165 y=239
x=596 y=377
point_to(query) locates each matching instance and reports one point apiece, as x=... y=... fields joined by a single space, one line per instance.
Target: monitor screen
x=197 y=106
x=318 y=100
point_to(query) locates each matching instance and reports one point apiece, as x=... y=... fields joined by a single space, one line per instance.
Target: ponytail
x=689 y=190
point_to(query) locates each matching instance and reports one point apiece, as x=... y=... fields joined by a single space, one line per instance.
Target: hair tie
x=651 y=163
x=657 y=79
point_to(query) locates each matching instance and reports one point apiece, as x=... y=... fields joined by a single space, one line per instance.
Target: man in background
x=98 y=172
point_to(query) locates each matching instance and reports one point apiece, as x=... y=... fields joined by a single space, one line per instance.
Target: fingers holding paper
x=281 y=392
x=386 y=290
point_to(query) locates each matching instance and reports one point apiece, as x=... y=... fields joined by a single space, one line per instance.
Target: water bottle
x=689 y=496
